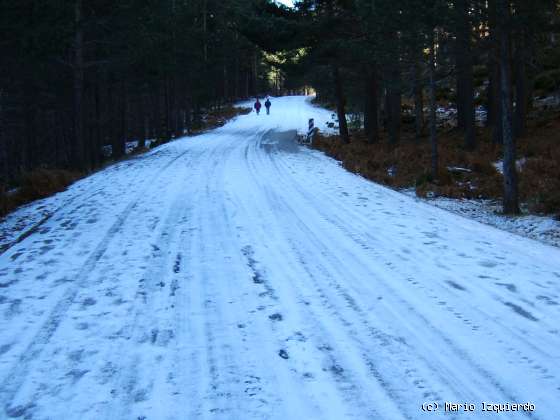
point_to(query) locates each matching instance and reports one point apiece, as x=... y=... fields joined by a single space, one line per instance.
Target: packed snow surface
x=540 y=227
x=237 y=275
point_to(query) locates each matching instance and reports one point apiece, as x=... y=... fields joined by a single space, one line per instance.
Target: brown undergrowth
x=44 y=182
x=34 y=185
x=219 y=117
x=463 y=174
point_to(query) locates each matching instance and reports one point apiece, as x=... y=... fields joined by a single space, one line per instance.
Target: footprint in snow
x=548 y=300
x=511 y=287
x=89 y=302
x=521 y=311
x=275 y=317
x=488 y=264
x=298 y=336
x=455 y=285
x=337 y=369
x=5 y=348
x=283 y=354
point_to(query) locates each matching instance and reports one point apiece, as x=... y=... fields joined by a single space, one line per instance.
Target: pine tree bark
x=433 y=121
x=255 y=75
x=119 y=124
x=29 y=116
x=418 y=103
x=521 y=87
x=394 y=107
x=465 y=80
x=371 y=110
x=142 y=118
x=4 y=171
x=510 y=201
x=340 y=105
x=79 y=161
x=494 y=88
x=163 y=134
x=97 y=125
x=460 y=91
x=205 y=29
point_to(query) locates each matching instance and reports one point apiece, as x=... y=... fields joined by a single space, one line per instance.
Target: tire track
x=336 y=363
x=76 y=198
x=17 y=373
x=334 y=261
x=523 y=342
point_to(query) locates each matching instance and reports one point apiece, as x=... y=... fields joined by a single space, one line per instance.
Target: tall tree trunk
x=255 y=75
x=433 y=121
x=4 y=170
x=340 y=105
x=188 y=114
x=205 y=29
x=225 y=96
x=394 y=106
x=521 y=86
x=162 y=107
x=142 y=118
x=168 y=109
x=371 y=112
x=236 y=81
x=494 y=89
x=119 y=124
x=510 y=202
x=465 y=80
x=470 y=126
x=418 y=102
x=460 y=90
x=460 y=63
x=79 y=160
x=97 y=124
x=30 y=116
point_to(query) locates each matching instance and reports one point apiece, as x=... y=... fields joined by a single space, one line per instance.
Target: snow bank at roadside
x=16 y=223
x=542 y=228
x=30 y=216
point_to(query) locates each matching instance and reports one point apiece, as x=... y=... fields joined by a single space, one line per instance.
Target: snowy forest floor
x=236 y=274
x=470 y=183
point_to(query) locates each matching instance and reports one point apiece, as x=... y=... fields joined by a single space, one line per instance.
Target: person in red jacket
x=258 y=106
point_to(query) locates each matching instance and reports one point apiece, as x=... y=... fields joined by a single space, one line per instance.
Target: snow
x=237 y=275
x=543 y=228
x=551 y=101
x=300 y=111
x=519 y=163
x=447 y=115
x=288 y=3
x=130 y=147
x=458 y=169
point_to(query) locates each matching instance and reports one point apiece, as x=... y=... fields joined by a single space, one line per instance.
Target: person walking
x=267 y=104
x=258 y=106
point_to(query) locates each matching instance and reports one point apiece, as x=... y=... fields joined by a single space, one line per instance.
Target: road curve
x=236 y=275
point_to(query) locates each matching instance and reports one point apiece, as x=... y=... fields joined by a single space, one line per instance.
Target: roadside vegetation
x=464 y=174
x=43 y=182
x=397 y=67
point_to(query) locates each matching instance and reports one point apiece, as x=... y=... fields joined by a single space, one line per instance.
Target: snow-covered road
x=236 y=275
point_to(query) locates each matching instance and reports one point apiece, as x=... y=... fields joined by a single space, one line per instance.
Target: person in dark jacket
x=258 y=106
x=267 y=104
